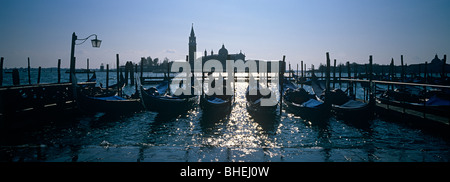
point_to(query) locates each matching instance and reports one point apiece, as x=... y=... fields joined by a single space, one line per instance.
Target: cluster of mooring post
x=16 y=74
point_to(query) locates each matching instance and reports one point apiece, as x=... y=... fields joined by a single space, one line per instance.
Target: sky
x=350 y=30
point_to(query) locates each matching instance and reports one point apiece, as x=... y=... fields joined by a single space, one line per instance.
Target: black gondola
x=343 y=106
x=215 y=108
x=111 y=90
x=433 y=101
x=254 y=102
x=109 y=104
x=157 y=99
x=121 y=83
x=89 y=101
x=304 y=104
x=216 y=104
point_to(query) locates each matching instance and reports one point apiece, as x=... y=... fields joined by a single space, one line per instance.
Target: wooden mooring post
x=87 y=68
x=168 y=79
x=142 y=68
x=340 y=76
x=132 y=73
x=327 y=75
x=15 y=76
x=39 y=75
x=127 y=70
x=281 y=77
x=29 y=72
x=355 y=76
x=370 y=91
x=426 y=72
x=302 y=78
x=297 y=77
x=334 y=74
x=349 y=84
x=1 y=71
x=59 y=70
x=403 y=68
x=107 y=76
x=444 y=73
x=118 y=74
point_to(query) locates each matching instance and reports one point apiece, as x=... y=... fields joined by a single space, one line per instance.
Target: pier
x=16 y=100
x=422 y=116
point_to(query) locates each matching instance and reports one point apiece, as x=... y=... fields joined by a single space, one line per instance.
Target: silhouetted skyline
x=350 y=30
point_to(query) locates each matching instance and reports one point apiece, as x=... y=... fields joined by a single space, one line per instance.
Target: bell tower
x=192 y=46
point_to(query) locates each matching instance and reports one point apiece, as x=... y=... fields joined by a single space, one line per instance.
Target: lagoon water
x=195 y=136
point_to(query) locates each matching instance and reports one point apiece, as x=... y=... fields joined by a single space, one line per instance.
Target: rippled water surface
x=237 y=136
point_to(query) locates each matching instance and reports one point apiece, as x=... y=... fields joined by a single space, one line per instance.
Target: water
x=192 y=136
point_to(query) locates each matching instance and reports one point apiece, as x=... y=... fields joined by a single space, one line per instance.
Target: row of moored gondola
x=297 y=100
x=316 y=106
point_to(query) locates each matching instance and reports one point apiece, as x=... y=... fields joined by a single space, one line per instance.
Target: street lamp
x=95 y=43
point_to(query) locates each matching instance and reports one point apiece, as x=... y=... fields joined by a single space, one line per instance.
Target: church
x=222 y=55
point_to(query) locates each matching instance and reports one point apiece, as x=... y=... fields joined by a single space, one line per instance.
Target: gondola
x=109 y=104
x=215 y=108
x=433 y=101
x=347 y=108
x=121 y=83
x=93 y=78
x=95 y=91
x=304 y=104
x=343 y=106
x=158 y=99
x=401 y=95
x=216 y=104
x=254 y=102
x=89 y=102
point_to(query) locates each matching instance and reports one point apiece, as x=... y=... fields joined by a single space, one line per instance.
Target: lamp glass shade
x=96 y=43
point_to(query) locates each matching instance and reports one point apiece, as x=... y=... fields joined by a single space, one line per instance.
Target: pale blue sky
x=350 y=30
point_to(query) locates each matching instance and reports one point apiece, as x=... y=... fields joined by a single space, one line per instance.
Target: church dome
x=223 y=51
x=436 y=60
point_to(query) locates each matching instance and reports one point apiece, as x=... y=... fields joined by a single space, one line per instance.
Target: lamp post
x=95 y=43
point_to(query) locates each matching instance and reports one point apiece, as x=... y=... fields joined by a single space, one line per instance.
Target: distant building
x=192 y=46
x=436 y=65
x=102 y=67
x=223 y=55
